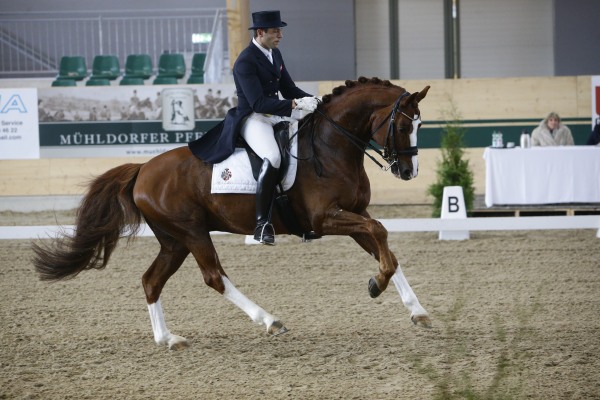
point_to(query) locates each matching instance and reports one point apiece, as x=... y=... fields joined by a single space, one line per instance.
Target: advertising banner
x=122 y=121
x=19 y=135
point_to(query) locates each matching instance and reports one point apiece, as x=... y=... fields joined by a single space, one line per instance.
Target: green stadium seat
x=165 y=80
x=194 y=79
x=94 y=81
x=72 y=67
x=197 y=74
x=131 y=80
x=138 y=66
x=64 y=82
x=171 y=65
x=106 y=66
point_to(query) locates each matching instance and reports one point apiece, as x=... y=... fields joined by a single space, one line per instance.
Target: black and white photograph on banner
x=122 y=103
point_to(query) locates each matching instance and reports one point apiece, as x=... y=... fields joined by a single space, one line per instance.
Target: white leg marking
x=256 y=313
x=406 y=294
x=159 y=328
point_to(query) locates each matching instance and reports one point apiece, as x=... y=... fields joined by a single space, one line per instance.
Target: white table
x=542 y=175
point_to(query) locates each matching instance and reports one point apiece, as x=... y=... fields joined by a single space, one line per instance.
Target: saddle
x=283 y=206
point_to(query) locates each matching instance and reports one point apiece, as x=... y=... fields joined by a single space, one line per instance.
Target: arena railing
x=32 y=44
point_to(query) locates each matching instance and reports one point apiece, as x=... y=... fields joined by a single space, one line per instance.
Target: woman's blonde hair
x=552 y=115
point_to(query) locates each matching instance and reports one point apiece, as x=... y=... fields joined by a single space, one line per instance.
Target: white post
x=453 y=207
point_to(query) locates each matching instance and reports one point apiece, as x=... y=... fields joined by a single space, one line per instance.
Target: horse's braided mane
x=350 y=84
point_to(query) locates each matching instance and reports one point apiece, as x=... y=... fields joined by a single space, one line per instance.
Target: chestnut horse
x=172 y=193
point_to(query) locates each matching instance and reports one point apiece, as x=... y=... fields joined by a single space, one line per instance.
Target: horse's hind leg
x=171 y=256
x=258 y=315
x=418 y=314
x=206 y=256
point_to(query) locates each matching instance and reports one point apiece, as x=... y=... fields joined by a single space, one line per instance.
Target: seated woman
x=550 y=132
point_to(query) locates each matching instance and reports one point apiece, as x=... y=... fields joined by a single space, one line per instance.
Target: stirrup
x=265 y=234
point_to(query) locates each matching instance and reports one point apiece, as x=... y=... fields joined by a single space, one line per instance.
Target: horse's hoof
x=276 y=329
x=421 y=320
x=374 y=290
x=178 y=343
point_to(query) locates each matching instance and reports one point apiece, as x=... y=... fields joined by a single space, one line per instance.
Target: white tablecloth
x=542 y=175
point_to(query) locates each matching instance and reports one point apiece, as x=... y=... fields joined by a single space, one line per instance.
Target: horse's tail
x=107 y=213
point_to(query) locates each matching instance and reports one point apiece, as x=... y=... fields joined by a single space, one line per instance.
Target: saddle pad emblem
x=226 y=174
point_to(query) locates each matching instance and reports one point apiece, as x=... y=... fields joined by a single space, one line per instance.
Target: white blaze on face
x=413 y=142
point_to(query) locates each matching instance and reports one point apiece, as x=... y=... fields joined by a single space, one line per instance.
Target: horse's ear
x=410 y=99
x=421 y=95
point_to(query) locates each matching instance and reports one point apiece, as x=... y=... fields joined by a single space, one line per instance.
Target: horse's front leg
x=418 y=314
x=341 y=222
x=374 y=241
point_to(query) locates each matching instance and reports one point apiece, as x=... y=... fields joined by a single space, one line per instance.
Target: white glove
x=307 y=104
x=298 y=114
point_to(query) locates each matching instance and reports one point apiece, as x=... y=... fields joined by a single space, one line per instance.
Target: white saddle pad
x=234 y=175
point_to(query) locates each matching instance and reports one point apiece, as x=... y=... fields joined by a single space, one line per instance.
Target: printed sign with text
x=19 y=130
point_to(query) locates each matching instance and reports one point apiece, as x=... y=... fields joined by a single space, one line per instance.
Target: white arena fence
x=392 y=225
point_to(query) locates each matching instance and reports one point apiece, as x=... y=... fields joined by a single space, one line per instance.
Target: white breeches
x=257 y=131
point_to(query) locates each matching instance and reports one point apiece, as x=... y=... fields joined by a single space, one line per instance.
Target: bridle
x=391 y=137
x=391 y=157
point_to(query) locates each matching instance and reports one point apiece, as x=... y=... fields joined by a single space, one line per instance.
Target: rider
x=260 y=76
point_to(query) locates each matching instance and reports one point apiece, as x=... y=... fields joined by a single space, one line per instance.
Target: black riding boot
x=265 y=192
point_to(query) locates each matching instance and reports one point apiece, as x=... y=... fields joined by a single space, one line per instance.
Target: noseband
x=390 y=157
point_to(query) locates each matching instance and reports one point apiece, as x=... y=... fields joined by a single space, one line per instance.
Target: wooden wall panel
x=506 y=98
x=69 y=176
x=54 y=176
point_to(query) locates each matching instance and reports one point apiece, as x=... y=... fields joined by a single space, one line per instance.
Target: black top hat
x=266 y=19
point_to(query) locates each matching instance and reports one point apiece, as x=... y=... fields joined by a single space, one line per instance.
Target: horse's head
x=374 y=110
x=395 y=130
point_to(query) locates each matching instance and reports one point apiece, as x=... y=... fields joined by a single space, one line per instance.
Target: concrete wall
x=576 y=37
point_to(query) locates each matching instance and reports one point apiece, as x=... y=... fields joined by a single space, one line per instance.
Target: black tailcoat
x=257 y=83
